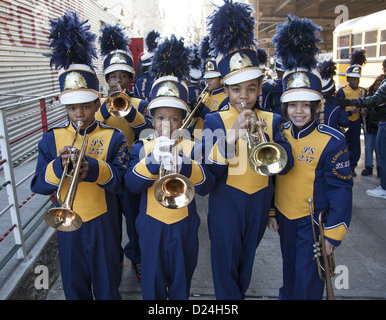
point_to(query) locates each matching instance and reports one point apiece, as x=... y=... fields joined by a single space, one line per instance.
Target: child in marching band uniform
x=90 y=256
x=119 y=73
x=167 y=236
x=351 y=91
x=240 y=201
x=321 y=169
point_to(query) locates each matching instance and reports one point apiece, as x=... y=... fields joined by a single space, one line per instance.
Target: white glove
x=161 y=145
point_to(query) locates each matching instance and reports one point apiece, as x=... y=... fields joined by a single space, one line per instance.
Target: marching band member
x=351 y=91
x=272 y=90
x=331 y=113
x=321 y=170
x=167 y=237
x=240 y=200
x=217 y=98
x=143 y=84
x=90 y=257
x=119 y=73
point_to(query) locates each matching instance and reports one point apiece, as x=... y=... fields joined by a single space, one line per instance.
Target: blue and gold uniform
x=332 y=114
x=173 y=260
x=354 y=129
x=322 y=173
x=95 y=202
x=239 y=203
x=271 y=93
x=218 y=99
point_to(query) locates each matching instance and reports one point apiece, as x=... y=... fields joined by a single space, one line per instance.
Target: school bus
x=368 y=33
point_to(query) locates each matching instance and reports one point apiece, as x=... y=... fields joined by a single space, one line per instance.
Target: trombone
x=174 y=190
x=118 y=103
x=266 y=158
x=320 y=250
x=202 y=98
x=64 y=218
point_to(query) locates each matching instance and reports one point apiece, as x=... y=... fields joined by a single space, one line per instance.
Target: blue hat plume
x=71 y=42
x=151 y=40
x=358 y=57
x=113 y=38
x=262 y=56
x=296 y=43
x=327 y=69
x=231 y=27
x=170 y=58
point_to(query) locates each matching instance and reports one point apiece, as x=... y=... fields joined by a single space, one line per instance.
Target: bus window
x=356 y=41
x=382 y=49
x=343 y=53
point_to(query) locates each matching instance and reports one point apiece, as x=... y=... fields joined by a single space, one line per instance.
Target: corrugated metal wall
x=25 y=73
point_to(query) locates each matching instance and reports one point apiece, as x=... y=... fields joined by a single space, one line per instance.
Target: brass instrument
x=320 y=250
x=202 y=98
x=118 y=103
x=64 y=218
x=266 y=158
x=173 y=190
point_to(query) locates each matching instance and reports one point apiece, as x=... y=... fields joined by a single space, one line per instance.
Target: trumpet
x=173 y=190
x=266 y=158
x=320 y=250
x=64 y=218
x=118 y=103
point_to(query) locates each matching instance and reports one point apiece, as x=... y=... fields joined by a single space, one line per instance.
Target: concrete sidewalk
x=363 y=252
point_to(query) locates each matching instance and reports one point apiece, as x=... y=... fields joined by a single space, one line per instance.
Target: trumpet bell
x=174 y=191
x=268 y=158
x=118 y=104
x=63 y=219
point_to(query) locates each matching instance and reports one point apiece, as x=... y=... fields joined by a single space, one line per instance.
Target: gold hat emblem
x=74 y=80
x=298 y=80
x=118 y=58
x=356 y=70
x=168 y=89
x=209 y=66
x=238 y=62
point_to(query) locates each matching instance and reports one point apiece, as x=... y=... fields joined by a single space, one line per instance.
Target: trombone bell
x=174 y=191
x=63 y=219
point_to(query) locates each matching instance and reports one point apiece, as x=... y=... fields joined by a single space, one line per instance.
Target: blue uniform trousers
x=129 y=202
x=90 y=259
x=300 y=274
x=354 y=142
x=169 y=255
x=236 y=223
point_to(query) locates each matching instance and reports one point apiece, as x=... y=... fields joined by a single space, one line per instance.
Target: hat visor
x=119 y=67
x=168 y=102
x=211 y=75
x=242 y=75
x=78 y=96
x=301 y=95
x=353 y=75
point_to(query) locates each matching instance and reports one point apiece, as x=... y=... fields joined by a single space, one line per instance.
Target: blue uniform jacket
x=143 y=174
x=332 y=114
x=322 y=173
x=271 y=94
x=107 y=156
x=231 y=165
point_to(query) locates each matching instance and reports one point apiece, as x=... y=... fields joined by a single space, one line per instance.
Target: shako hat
x=72 y=53
x=231 y=35
x=169 y=68
x=357 y=61
x=114 y=47
x=295 y=44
